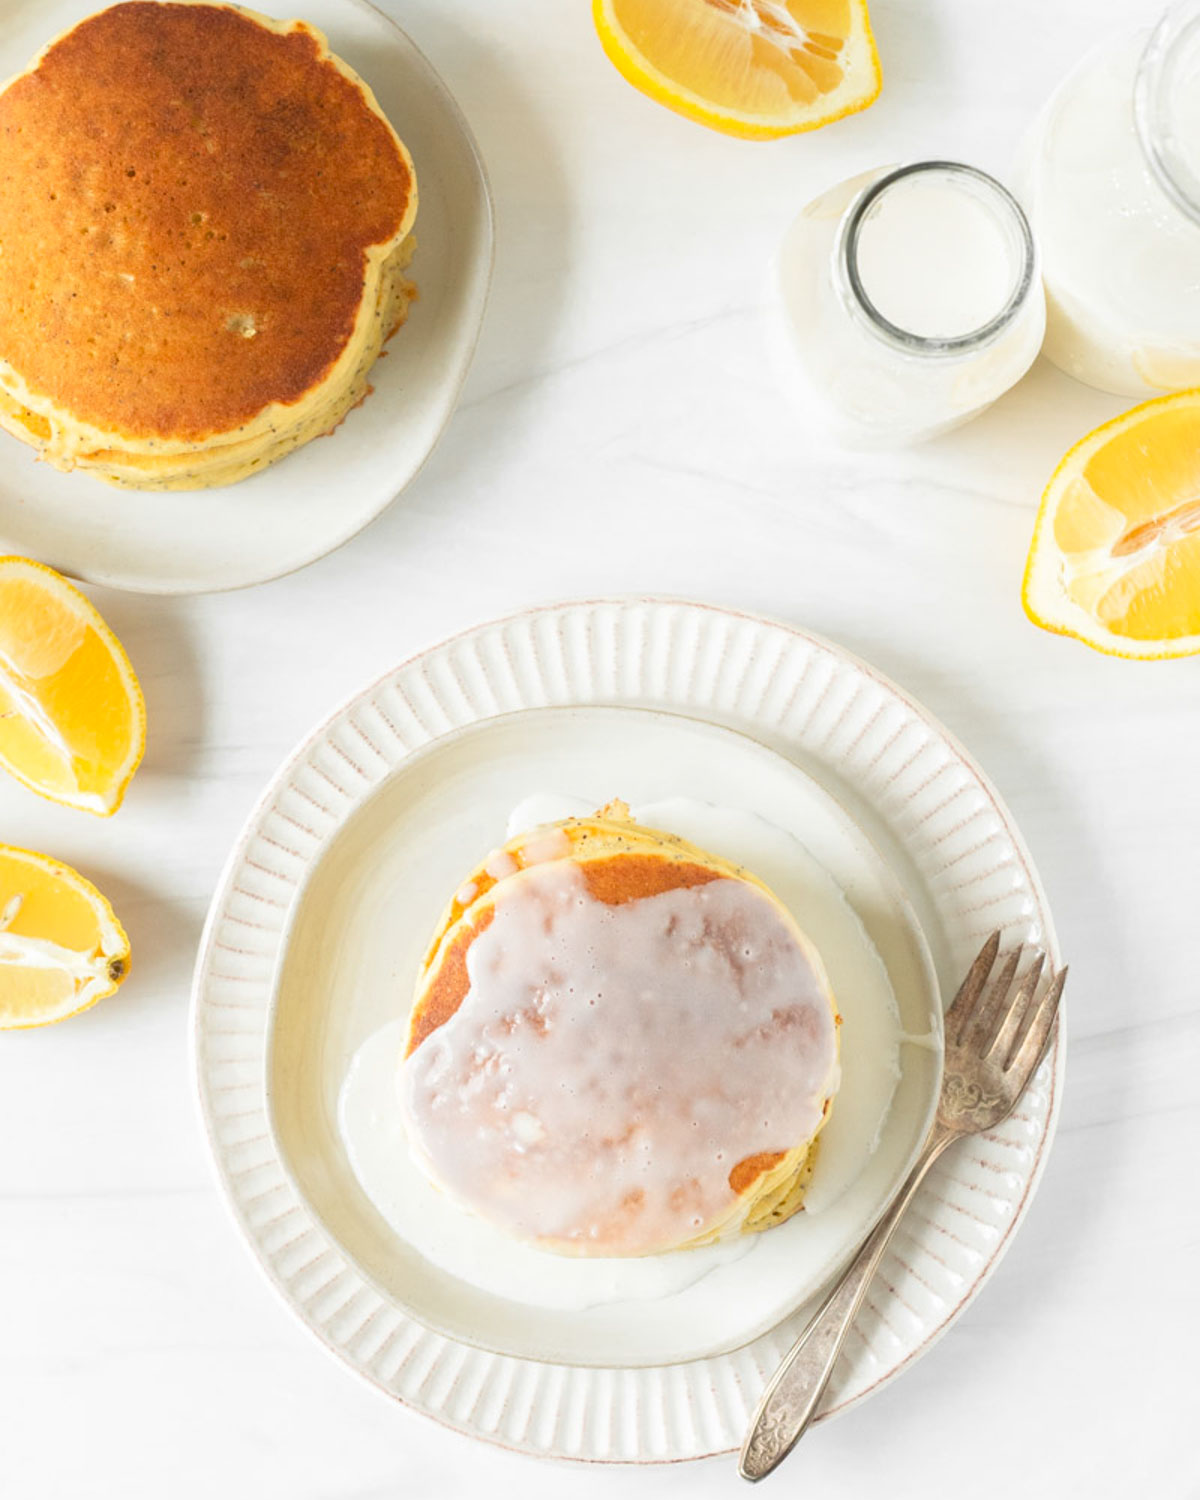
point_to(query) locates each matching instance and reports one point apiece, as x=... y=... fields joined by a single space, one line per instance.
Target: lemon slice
x=61 y=947
x=72 y=717
x=1115 y=559
x=754 y=68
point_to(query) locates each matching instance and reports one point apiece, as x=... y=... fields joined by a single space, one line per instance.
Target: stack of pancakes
x=204 y=225
x=620 y=1044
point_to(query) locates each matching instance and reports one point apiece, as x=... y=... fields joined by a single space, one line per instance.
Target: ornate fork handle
x=791 y=1399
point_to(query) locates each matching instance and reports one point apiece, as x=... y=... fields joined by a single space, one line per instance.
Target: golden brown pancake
x=701 y=948
x=203 y=217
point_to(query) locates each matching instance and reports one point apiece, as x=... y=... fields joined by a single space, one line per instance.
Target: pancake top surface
x=186 y=200
x=607 y=1053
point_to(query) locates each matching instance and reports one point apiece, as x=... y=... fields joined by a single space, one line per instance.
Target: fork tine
x=969 y=991
x=1015 y=1022
x=1008 y=1021
x=993 y=1005
x=1029 y=1050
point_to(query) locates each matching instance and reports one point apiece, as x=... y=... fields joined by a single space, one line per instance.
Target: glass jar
x=909 y=301
x=1110 y=177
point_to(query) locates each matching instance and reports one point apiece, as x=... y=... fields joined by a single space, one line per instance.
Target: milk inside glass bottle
x=1110 y=176
x=910 y=301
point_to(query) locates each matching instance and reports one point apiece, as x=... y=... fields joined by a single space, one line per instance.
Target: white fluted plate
x=308 y=504
x=308 y=941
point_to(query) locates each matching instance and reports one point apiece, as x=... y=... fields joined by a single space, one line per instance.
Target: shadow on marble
x=533 y=257
x=157 y=633
x=163 y=938
x=1031 y=426
x=912 y=47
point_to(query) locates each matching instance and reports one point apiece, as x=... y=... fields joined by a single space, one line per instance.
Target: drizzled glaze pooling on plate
x=619 y=1072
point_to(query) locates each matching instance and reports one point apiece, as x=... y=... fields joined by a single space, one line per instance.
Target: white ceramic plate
x=322 y=495
x=379 y=804
x=368 y=906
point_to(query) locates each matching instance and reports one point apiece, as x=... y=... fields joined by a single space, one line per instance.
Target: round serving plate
x=191 y=541
x=367 y=824
x=354 y=940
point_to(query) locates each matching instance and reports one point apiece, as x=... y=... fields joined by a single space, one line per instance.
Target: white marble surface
x=621 y=432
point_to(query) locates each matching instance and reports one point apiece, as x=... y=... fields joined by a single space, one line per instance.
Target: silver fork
x=995 y=1039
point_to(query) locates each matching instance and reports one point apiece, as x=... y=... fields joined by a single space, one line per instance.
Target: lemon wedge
x=753 y=68
x=1115 y=560
x=72 y=717
x=61 y=947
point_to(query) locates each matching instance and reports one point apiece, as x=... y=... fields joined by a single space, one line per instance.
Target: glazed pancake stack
x=620 y=1045
x=204 y=224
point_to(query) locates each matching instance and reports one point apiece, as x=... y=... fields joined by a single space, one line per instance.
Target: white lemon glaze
x=460 y=1243
x=611 y=1065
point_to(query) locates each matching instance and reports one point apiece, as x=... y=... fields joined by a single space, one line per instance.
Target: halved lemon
x=1115 y=559
x=754 y=68
x=61 y=947
x=72 y=716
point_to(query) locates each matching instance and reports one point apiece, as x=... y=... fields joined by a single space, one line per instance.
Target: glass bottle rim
x=856 y=297
x=1153 y=96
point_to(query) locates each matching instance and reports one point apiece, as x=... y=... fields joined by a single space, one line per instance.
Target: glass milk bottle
x=1110 y=176
x=910 y=301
